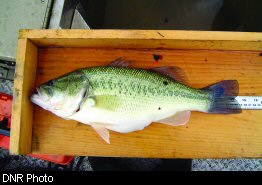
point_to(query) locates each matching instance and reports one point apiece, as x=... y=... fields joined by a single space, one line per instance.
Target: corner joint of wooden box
x=23 y=33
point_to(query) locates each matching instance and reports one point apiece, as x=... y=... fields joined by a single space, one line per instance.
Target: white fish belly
x=113 y=120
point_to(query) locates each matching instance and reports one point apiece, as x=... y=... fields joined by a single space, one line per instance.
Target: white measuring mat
x=250 y=102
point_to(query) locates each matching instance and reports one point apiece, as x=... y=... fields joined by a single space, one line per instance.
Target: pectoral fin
x=102 y=131
x=180 y=118
x=108 y=102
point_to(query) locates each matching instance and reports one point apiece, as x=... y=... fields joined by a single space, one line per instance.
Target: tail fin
x=223 y=97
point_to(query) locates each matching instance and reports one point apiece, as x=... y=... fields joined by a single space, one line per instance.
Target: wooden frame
x=28 y=50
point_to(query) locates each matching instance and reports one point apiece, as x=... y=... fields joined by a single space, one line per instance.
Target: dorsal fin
x=173 y=72
x=120 y=62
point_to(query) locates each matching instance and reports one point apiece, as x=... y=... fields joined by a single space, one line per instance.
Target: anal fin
x=180 y=118
x=102 y=132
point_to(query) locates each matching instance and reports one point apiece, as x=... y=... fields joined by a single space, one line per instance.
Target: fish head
x=62 y=96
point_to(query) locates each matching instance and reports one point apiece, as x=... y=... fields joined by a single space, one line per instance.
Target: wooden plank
x=206 y=136
x=22 y=110
x=165 y=39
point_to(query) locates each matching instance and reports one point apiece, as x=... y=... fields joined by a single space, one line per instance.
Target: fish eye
x=51 y=83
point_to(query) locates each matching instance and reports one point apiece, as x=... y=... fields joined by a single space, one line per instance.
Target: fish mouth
x=38 y=98
x=41 y=93
x=38 y=91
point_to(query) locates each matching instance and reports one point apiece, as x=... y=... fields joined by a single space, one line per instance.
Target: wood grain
x=206 y=136
x=22 y=109
x=165 y=39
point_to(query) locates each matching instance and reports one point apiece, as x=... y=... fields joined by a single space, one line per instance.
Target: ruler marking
x=250 y=102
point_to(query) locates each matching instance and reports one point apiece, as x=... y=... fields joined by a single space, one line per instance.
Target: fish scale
x=146 y=87
x=148 y=81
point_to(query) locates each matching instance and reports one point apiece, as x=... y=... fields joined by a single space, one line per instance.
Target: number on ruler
x=250 y=102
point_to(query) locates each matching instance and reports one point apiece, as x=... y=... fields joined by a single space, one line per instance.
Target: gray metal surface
x=66 y=14
x=78 y=21
x=227 y=165
x=16 y=15
x=56 y=14
x=6 y=86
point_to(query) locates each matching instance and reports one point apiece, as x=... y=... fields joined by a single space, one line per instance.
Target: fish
x=124 y=99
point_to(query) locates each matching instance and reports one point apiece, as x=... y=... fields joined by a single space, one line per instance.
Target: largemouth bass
x=124 y=99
